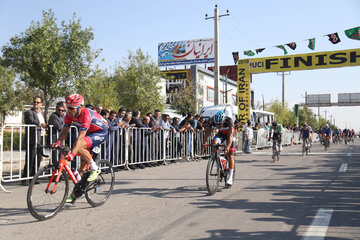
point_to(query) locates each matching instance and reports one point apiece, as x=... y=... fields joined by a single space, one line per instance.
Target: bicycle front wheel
x=213 y=175
x=42 y=203
x=98 y=191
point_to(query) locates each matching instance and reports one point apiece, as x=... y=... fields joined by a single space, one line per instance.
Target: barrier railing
x=123 y=148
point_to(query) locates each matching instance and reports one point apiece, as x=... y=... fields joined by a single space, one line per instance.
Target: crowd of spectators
x=146 y=138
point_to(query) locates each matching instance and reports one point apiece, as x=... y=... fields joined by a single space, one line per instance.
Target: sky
x=122 y=26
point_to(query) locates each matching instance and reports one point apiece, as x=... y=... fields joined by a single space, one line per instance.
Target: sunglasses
x=61 y=110
x=35 y=102
x=71 y=108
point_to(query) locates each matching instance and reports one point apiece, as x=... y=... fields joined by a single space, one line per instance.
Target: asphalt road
x=311 y=197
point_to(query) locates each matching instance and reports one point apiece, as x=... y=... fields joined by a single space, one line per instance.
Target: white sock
x=231 y=171
x=93 y=165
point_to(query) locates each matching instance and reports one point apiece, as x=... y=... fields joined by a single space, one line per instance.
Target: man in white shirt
x=248 y=137
x=34 y=134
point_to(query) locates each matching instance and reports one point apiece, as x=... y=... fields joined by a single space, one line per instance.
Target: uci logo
x=256 y=64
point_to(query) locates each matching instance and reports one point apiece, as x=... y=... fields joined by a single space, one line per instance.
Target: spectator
x=248 y=137
x=56 y=120
x=126 y=120
x=200 y=125
x=121 y=114
x=35 y=134
x=156 y=137
x=135 y=137
x=111 y=152
x=267 y=126
x=89 y=106
x=105 y=113
x=176 y=140
x=98 y=109
x=188 y=123
x=135 y=120
x=155 y=121
x=145 y=151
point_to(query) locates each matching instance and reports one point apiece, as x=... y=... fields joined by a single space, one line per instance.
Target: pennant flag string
x=352 y=33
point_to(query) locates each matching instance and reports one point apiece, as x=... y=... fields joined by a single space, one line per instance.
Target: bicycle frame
x=63 y=164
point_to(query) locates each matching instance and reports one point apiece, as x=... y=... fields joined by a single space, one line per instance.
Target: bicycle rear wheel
x=98 y=191
x=43 y=204
x=213 y=175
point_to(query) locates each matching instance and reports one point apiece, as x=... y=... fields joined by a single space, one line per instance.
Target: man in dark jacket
x=56 y=123
x=33 y=136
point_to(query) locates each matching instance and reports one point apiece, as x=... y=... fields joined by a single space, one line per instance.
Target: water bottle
x=76 y=174
x=223 y=162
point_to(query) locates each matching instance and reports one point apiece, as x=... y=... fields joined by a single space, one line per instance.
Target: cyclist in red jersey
x=93 y=130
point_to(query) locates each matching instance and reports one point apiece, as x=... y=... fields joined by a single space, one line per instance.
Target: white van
x=257 y=116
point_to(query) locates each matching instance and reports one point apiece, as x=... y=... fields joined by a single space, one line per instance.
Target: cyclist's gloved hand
x=226 y=150
x=56 y=145
x=70 y=156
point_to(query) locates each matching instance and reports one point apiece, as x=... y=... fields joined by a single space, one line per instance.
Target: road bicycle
x=49 y=188
x=276 y=150
x=217 y=169
x=306 y=146
x=326 y=143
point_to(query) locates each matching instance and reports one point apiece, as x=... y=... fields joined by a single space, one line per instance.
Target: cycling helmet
x=274 y=124
x=219 y=117
x=74 y=100
x=327 y=125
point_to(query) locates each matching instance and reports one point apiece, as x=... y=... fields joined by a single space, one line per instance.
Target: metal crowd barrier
x=123 y=148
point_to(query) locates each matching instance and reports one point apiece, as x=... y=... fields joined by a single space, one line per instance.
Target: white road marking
x=318 y=228
x=343 y=167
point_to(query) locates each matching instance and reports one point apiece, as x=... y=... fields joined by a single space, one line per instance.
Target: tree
x=138 y=81
x=183 y=101
x=283 y=115
x=100 y=89
x=51 y=58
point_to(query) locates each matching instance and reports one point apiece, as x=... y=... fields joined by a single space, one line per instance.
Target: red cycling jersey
x=88 y=121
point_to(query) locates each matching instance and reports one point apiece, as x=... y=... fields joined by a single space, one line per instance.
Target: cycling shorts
x=94 y=139
x=220 y=137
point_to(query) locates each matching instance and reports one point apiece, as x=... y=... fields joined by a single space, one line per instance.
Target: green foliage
x=283 y=115
x=49 y=58
x=100 y=89
x=184 y=100
x=138 y=81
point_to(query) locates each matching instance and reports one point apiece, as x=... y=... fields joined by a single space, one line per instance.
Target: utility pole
x=216 y=18
x=325 y=111
x=283 y=87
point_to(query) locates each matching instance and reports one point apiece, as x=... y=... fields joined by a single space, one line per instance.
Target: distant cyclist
x=304 y=133
x=326 y=132
x=225 y=125
x=275 y=132
x=93 y=130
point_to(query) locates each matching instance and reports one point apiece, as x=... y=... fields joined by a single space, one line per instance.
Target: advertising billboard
x=331 y=59
x=349 y=98
x=186 y=52
x=318 y=99
x=176 y=80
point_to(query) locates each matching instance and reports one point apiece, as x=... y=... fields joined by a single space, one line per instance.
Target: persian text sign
x=186 y=52
x=332 y=59
x=243 y=92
